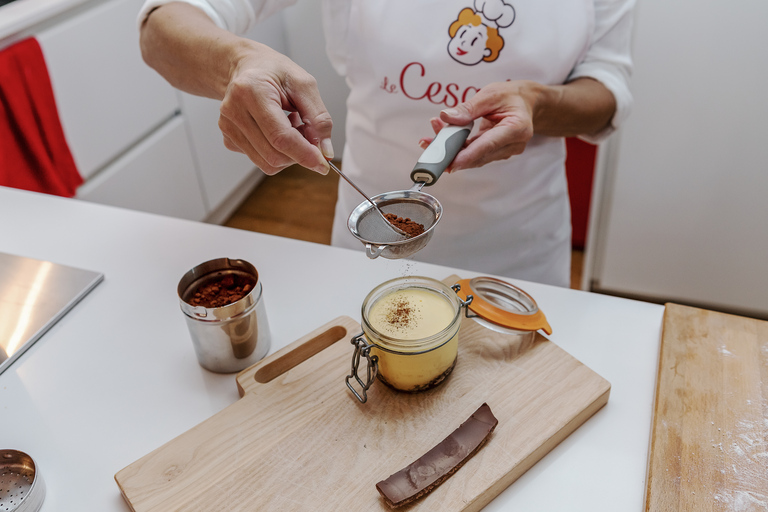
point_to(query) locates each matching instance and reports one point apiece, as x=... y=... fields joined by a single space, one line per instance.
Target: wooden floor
x=294 y=203
x=297 y=203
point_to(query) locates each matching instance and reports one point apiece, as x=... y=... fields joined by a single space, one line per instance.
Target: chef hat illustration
x=495 y=13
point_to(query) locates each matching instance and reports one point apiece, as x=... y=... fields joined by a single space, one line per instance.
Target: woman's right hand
x=264 y=85
x=255 y=84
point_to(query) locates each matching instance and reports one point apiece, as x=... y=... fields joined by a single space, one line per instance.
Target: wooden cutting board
x=709 y=444
x=299 y=440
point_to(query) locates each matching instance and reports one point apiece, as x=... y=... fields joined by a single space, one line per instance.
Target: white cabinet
x=138 y=142
x=225 y=175
x=157 y=175
x=221 y=170
x=108 y=99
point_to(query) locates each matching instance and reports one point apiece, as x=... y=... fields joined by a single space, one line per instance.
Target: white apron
x=405 y=61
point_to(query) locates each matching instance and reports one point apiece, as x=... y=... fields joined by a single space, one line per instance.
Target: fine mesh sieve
x=383 y=223
x=370 y=226
x=21 y=486
x=375 y=232
x=366 y=225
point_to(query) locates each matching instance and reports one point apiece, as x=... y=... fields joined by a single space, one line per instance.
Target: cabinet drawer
x=157 y=176
x=221 y=170
x=107 y=97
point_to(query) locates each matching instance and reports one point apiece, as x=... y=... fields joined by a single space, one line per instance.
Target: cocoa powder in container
x=221 y=290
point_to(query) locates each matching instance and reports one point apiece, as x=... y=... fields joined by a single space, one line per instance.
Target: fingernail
x=451 y=112
x=423 y=144
x=323 y=169
x=327 y=148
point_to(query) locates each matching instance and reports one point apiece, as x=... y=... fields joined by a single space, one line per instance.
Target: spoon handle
x=440 y=153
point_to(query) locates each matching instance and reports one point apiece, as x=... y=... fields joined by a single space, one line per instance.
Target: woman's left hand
x=506 y=114
x=504 y=117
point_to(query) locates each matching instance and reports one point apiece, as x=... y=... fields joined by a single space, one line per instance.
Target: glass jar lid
x=503 y=304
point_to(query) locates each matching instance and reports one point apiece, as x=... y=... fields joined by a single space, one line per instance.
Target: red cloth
x=580 y=171
x=34 y=154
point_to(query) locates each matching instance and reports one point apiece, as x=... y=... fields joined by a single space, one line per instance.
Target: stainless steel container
x=231 y=337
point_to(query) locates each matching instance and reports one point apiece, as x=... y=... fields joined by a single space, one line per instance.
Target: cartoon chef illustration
x=475 y=33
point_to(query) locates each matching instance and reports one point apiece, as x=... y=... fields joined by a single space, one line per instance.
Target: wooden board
x=709 y=444
x=299 y=440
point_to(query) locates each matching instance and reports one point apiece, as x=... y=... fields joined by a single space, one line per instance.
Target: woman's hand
x=503 y=115
x=507 y=114
x=263 y=86
x=256 y=85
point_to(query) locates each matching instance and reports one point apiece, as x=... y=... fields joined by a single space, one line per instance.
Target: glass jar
x=411 y=327
x=410 y=332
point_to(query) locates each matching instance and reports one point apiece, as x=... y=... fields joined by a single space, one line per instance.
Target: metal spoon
x=375 y=206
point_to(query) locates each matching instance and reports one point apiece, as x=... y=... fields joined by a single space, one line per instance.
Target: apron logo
x=435 y=92
x=475 y=33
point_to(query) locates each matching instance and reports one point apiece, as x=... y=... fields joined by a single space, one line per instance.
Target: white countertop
x=117 y=377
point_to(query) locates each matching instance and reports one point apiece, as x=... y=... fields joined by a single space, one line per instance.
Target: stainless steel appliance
x=34 y=295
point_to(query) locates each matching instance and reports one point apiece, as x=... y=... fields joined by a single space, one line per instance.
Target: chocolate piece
x=435 y=466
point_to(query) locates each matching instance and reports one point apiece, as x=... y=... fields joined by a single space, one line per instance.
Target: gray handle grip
x=440 y=153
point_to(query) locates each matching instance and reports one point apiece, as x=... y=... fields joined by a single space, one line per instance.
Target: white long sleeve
x=236 y=16
x=608 y=58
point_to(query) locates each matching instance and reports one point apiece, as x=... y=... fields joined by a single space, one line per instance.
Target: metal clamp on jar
x=411 y=327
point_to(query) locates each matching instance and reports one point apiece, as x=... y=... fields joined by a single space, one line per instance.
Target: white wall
x=306 y=46
x=684 y=209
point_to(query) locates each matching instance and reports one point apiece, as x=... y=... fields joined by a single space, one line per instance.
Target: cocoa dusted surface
x=439 y=463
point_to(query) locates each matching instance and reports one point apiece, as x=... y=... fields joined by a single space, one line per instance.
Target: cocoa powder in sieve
x=410 y=227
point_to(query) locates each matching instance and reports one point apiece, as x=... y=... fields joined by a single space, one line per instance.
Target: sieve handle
x=375 y=206
x=440 y=153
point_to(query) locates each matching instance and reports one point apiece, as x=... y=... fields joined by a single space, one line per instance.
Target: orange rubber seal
x=532 y=321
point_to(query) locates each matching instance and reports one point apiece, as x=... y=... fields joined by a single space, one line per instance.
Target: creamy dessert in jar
x=413 y=324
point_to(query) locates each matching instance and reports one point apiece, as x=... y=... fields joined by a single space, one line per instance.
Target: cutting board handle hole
x=300 y=354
